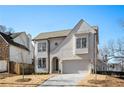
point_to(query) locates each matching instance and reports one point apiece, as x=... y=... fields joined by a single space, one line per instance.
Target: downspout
x=8 y=59
x=34 y=58
x=90 y=53
x=48 y=56
x=95 y=58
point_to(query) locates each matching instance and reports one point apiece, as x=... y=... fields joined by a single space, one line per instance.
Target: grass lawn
x=102 y=81
x=30 y=80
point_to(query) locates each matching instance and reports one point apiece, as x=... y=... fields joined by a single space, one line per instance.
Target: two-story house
x=66 y=51
x=16 y=52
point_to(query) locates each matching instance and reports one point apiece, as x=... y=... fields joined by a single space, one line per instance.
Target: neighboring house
x=103 y=66
x=117 y=64
x=15 y=49
x=115 y=67
x=66 y=51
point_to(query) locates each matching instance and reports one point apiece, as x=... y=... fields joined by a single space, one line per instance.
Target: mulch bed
x=23 y=80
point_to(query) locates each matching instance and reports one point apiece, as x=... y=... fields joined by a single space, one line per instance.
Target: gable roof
x=9 y=39
x=14 y=35
x=76 y=27
x=53 y=34
x=81 y=26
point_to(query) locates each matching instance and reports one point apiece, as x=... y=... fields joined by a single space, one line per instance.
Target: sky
x=37 y=19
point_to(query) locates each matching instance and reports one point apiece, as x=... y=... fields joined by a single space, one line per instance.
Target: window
x=41 y=62
x=81 y=43
x=39 y=47
x=78 y=43
x=42 y=47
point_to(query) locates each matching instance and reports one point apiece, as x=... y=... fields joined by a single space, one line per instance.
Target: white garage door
x=75 y=66
x=3 y=65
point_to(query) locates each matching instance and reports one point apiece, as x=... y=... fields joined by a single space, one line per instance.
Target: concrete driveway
x=64 y=80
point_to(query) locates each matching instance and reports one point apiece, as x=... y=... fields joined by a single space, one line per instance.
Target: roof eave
x=48 y=38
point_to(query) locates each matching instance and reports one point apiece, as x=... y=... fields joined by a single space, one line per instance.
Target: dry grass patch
x=34 y=81
x=23 y=80
x=102 y=81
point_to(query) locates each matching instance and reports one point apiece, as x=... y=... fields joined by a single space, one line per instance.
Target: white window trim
x=44 y=47
x=80 y=50
x=41 y=46
x=77 y=37
x=38 y=63
x=42 y=67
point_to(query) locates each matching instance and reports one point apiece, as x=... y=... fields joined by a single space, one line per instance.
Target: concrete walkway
x=64 y=80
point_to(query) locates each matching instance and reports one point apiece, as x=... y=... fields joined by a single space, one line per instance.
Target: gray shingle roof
x=53 y=34
x=14 y=35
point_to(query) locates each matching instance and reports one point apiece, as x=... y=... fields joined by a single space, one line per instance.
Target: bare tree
x=105 y=53
x=120 y=52
x=22 y=57
x=5 y=29
x=111 y=49
x=2 y=28
x=10 y=29
x=114 y=50
x=105 y=50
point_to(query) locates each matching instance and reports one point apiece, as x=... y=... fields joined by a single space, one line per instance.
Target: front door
x=55 y=65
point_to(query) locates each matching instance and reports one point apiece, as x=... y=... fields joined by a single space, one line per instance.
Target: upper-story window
x=84 y=42
x=39 y=47
x=42 y=47
x=81 y=43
